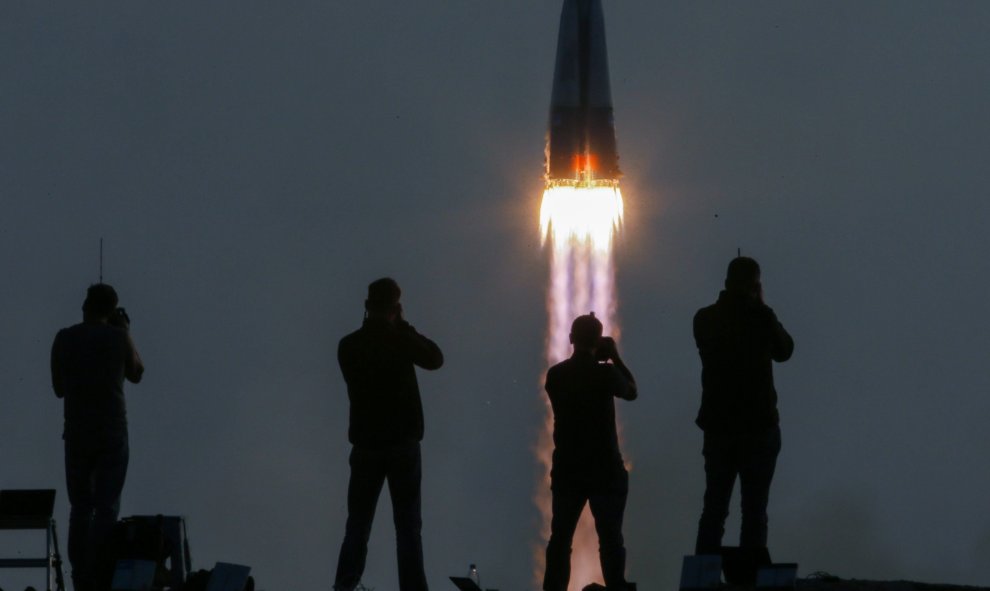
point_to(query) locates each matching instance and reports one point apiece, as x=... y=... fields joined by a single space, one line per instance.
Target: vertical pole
x=48 y=555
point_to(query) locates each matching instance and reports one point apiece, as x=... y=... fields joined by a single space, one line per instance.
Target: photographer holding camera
x=379 y=363
x=89 y=363
x=587 y=462
x=739 y=338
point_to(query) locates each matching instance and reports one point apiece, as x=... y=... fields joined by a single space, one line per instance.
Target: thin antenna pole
x=101 y=259
x=738 y=251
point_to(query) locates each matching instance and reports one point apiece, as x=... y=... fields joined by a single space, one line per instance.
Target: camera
x=119 y=318
x=605 y=349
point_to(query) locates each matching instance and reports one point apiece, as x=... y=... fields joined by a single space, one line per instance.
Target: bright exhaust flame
x=581 y=212
x=579 y=218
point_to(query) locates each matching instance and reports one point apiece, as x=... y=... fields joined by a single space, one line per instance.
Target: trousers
x=608 y=505
x=401 y=466
x=95 y=470
x=752 y=457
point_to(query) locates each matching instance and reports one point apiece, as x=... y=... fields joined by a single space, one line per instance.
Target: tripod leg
x=57 y=562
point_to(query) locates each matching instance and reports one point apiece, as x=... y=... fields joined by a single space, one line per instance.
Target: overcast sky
x=253 y=165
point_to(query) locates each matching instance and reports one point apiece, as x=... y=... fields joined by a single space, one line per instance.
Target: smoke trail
x=580 y=220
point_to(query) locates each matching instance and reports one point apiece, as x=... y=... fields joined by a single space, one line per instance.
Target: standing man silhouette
x=89 y=363
x=587 y=463
x=739 y=338
x=386 y=426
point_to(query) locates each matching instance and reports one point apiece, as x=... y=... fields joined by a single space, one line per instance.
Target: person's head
x=383 y=299
x=743 y=277
x=101 y=301
x=586 y=331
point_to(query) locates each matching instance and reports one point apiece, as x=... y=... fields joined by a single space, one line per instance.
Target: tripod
x=57 y=561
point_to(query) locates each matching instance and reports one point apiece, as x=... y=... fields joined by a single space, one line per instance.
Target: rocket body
x=581 y=136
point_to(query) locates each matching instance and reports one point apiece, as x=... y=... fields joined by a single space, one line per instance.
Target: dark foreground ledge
x=836 y=584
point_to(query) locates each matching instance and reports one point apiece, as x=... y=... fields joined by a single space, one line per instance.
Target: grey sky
x=253 y=165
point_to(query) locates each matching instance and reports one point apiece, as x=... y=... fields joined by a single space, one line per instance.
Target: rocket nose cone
x=581 y=67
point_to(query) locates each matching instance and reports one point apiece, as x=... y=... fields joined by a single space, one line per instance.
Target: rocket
x=581 y=135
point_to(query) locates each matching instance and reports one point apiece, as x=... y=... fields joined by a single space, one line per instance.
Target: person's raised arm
x=58 y=385
x=627 y=389
x=423 y=352
x=781 y=343
x=133 y=367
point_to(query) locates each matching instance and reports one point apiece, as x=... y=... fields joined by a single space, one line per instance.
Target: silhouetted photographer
x=89 y=364
x=386 y=425
x=739 y=338
x=587 y=463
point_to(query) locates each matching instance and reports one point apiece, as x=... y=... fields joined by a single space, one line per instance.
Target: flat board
x=228 y=577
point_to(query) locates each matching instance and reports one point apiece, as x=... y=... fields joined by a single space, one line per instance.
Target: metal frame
x=52 y=559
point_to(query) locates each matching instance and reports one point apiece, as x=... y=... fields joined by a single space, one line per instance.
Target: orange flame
x=585 y=164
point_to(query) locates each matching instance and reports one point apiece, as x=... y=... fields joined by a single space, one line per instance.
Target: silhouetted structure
x=386 y=426
x=89 y=363
x=587 y=462
x=32 y=510
x=159 y=539
x=738 y=338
